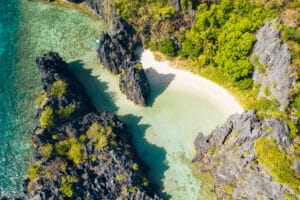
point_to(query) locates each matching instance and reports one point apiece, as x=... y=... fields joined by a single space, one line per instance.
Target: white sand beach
x=187 y=81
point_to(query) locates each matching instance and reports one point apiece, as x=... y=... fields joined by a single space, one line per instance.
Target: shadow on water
x=96 y=89
x=103 y=100
x=148 y=152
x=158 y=83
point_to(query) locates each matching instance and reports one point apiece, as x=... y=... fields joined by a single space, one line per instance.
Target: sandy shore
x=184 y=80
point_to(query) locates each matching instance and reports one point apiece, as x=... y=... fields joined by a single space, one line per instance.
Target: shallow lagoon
x=163 y=133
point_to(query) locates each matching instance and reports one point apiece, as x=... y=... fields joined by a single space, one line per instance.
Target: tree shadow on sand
x=148 y=152
x=96 y=89
x=158 y=83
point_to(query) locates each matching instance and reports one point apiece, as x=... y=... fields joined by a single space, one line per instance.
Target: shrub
x=75 y=153
x=135 y=167
x=54 y=137
x=47 y=118
x=58 y=88
x=120 y=177
x=33 y=171
x=167 y=47
x=70 y=148
x=289 y=196
x=41 y=99
x=277 y=162
x=66 y=112
x=46 y=150
x=99 y=135
x=66 y=187
x=265 y=104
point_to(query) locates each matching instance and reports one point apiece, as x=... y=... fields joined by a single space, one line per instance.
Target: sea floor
x=163 y=132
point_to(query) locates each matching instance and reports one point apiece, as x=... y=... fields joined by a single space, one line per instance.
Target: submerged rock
x=229 y=154
x=80 y=154
x=273 y=72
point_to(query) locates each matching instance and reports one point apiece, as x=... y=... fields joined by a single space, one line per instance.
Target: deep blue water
x=14 y=147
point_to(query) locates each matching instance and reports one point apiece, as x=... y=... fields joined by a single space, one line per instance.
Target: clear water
x=163 y=133
x=14 y=123
x=28 y=29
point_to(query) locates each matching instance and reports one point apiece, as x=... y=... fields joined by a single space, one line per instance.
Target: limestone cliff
x=79 y=154
x=272 y=59
x=245 y=157
x=116 y=48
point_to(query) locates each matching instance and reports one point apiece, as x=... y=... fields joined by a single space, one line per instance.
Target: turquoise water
x=28 y=29
x=162 y=133
x=15 y=150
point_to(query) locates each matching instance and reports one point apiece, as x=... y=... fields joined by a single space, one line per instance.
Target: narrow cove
x=164 y=131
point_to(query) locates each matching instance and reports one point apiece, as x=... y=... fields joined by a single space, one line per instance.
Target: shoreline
x=187 y=81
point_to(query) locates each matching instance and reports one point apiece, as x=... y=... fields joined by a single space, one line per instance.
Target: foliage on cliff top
x=59 y=88
x=223 y=35
x=47 y=118
x=99 y=135
x=278 y=163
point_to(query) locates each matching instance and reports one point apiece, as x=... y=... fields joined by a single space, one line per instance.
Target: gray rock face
x=228 y=154
x=133 y=82
x=108 y=167
x=112 y=54
x=116 y=52
x=275 y=57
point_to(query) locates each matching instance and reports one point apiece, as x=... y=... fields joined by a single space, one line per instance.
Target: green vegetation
x=59 y=88
x=167 y=47
x=33 y=171
x=289 y=196
x=71 y=148
x=120 y=177
x=54 y=137
x=66 y=112
x=223 y=35
x=46 y=150
x=135 y=167
x=133 y=189
x=277 y=162
x=154 y=11
x=99 y=135
x=66 y=185
x=41 y=99
x=47 y=118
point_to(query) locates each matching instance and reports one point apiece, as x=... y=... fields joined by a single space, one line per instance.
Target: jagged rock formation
x=80 y=154
x=229 y=154
x=133 y=82
x=116 y=49
x=272 y=59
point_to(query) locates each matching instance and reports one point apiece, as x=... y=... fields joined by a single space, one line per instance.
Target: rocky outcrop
x=229 y=154
x=272 y=60
x=116 y=48
x=133 y=82
x=80 y=154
